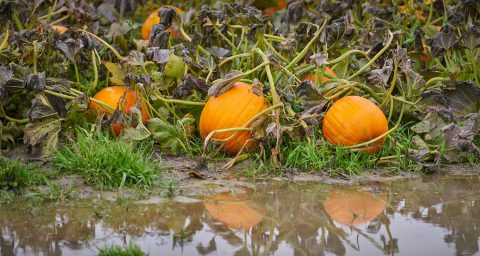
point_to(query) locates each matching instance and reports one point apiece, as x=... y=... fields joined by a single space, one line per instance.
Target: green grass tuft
x=115 y=250
x=16 y=175
x=106 y=162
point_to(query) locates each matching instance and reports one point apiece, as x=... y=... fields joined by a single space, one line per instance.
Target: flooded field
x=432 y=215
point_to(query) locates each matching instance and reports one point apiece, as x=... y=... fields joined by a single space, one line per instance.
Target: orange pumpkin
x=111 y=97
x=313 y=76
x=353 y=120
x=60 y=29
x=351 y=208
x=231 y=109
x=233 y=211
x=153 y=19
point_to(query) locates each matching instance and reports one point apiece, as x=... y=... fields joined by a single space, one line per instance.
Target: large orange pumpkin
x=313 y=76
x=231 y=109
x=111 y=96
x=351 y=208
x=353 y=120
x=153 y=19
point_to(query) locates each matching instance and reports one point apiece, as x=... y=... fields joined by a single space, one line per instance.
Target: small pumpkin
x=232 y=109
x=111 y=97
x=353 y=120
x=153 y=19
x=313 y=76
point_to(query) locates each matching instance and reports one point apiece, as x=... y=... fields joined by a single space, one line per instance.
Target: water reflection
x=352 y=208
x=233 y=211
x=433 y=216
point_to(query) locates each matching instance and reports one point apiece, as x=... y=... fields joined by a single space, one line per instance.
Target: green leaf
x=117 y=75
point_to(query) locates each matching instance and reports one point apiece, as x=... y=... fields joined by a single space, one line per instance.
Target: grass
x=313 y=156
x=16 y=175
x=115 y=250
x=105 y=162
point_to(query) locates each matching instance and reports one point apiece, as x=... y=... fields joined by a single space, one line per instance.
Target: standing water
x=432 y=215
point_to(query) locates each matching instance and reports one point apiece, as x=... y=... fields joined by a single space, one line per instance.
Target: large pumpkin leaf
x=443 y=41
x=453 y=102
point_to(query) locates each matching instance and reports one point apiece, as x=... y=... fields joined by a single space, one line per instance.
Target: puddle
x=433 y=215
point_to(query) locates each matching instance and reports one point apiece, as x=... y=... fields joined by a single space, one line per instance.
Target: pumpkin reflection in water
x=233 y=211
x=351 y=208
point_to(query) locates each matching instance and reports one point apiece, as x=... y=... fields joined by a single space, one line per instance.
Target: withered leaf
x=158 y=55
x=453 y=102
x=379 y=77
x=223 y=84
x=135 y=58
x=190 y=84
x=459 y=140
x=41 y=109
x=42 y=137
x=70 y=47
x=431 y=126
x=471 y=38
x=319 y=59
x=36 y=82
x=294 y=11
x=414 y=77
x=443 y=41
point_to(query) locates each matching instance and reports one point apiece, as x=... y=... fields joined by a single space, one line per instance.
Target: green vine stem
x=35 y=56
x=274 y=38
x=95 y=70
x=241 y=55
x=63 y=9
x=307 y=47
x=346 y=55
x=433 y=81
x=387 y=45
x=60 y=20
x=119 y=57
x=14 y=120
x=276 y=101
x=224 y=38
x=5 y=40
x=392 y=86
x=271 y=48
x=184 y=102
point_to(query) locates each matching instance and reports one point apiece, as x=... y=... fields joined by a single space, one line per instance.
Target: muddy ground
x=192 y=181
